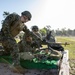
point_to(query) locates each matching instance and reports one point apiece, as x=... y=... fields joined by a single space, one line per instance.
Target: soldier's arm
x=40 y=35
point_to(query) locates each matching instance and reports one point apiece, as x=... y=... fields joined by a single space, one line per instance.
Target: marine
x=11 y=27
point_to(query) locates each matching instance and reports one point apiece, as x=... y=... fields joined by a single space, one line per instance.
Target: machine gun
x=56 y=45
x=50 y=40
x=46 y=41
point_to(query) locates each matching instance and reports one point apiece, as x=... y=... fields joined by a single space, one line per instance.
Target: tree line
x=57 y=32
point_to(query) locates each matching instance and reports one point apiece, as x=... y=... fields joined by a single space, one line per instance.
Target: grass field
x=70 y=47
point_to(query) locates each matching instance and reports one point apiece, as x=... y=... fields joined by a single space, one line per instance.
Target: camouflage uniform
x=11 y=26
x=26 y=50
x=25 y=46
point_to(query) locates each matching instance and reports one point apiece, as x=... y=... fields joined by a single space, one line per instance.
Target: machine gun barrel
x=55 y=43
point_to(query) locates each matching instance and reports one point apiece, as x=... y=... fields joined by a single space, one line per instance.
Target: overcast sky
x=56 y=13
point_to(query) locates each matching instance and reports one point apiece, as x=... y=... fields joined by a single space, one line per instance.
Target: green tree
x=5 y=14
x=43 y=31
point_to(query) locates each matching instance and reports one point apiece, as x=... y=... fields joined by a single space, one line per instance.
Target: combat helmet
x=27 y=14
x=35 y=28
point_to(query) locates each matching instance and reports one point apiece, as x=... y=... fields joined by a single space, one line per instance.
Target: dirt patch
x=5 y=70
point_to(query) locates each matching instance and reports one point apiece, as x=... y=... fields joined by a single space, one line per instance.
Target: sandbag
x=26 y=55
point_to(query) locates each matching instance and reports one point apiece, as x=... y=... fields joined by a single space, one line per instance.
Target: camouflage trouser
x=11 y=46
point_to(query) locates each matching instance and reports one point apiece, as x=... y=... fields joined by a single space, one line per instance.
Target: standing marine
x=11 y=27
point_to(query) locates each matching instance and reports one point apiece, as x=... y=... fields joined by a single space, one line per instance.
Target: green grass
x=70 y=47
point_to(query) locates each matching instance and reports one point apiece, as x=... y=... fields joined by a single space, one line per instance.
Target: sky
x=56 y=13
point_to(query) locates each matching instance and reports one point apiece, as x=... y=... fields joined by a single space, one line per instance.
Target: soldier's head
x=35 y=28
x=26 y=16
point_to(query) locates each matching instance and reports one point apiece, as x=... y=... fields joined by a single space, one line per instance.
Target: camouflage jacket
x=25 y=46
x=12 y=25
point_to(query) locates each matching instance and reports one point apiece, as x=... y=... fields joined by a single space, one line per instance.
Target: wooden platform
x=64 y=69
